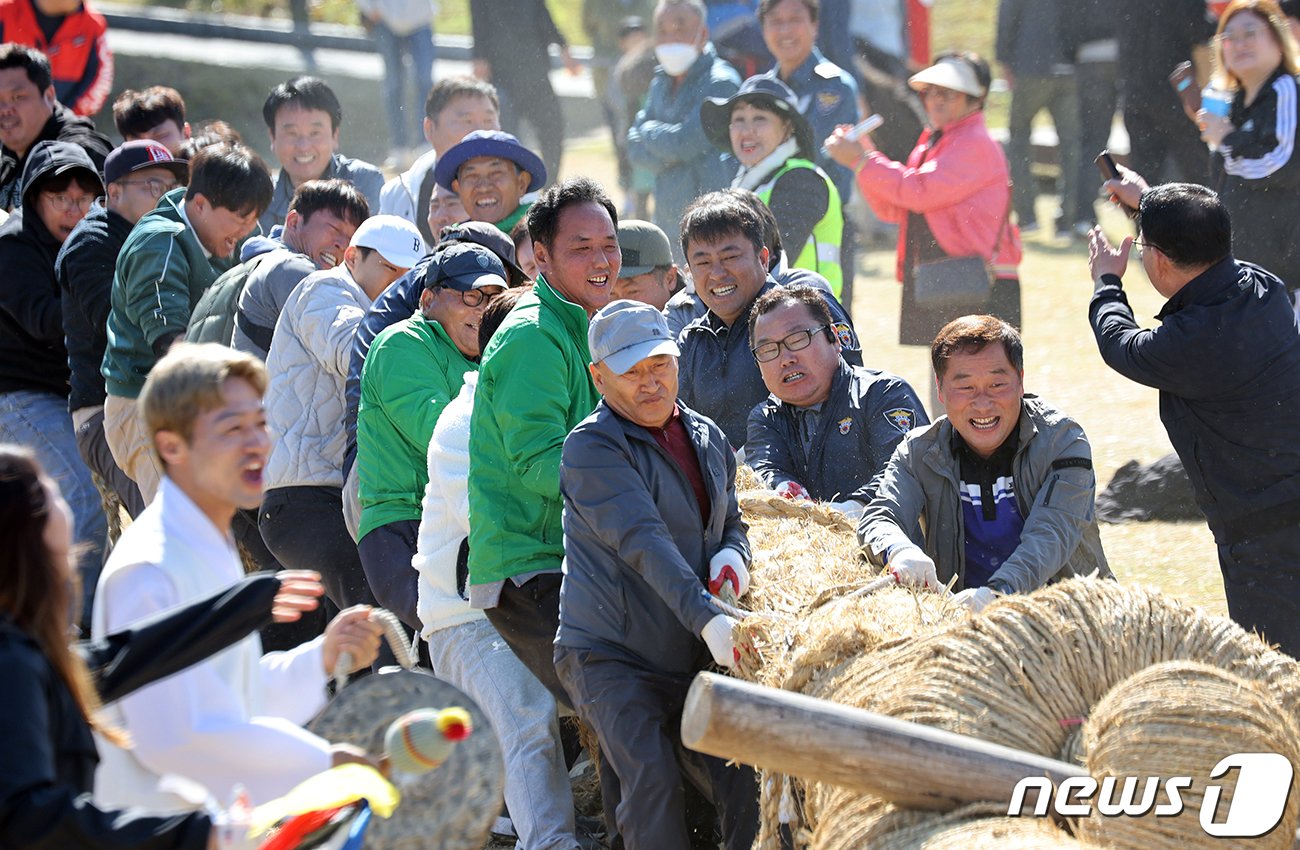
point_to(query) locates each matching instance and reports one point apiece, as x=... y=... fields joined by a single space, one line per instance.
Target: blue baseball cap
x=625 y=332
x=489 y=143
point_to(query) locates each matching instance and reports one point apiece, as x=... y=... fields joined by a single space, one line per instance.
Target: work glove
x=792 y=490
x=851 y=508
x=912 y=567
x=717 y=636
x=975 y=599
x=728 y=566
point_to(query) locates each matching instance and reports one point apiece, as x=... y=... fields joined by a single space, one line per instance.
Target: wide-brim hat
x=766 y=93
x=489 y=143
x=950 y=72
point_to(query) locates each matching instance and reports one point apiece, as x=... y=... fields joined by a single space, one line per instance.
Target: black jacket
x=32 y=352
x=1031 y=37
x=718 y=375
x=64 y=126
x=1258 y=176
x=84 y=270
x=47 y=753
x=636 y=554
x=513 y=36
x=1226 y=360
x=861 y=422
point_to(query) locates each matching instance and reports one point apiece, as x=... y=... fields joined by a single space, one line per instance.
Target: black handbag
x=956 y=283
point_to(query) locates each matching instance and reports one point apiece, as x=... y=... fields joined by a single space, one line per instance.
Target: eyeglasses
x=1243 y=35
x=797 y=341
x=1141 y=245
x=469 y=297
x=937 y=92
x=156 y=185
x=63 y=203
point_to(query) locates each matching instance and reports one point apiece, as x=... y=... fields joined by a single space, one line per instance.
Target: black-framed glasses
x=1142 y=245
x=156 y=185
x=797 y=341
x=469 y=297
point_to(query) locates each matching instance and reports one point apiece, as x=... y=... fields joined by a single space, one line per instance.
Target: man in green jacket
x=172 y=255
x=414 y=369
x=533 y=388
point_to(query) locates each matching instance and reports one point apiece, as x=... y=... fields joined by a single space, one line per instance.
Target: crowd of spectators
x=472 y=393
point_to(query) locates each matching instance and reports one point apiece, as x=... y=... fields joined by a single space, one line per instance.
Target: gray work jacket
x=1055 y=487
x=636 y=554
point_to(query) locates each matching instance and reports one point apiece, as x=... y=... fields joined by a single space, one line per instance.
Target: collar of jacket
x=942 y=454
x=803 y=76
x=1208 y=287
x=439 y=332
x=574 y=317
x=699 y=433
x=972 y=122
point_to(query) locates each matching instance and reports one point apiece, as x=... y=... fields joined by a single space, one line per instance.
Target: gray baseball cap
x=644 y=247
x=623 y=333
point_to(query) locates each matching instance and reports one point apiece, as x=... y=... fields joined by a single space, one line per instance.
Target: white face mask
x=676 y=57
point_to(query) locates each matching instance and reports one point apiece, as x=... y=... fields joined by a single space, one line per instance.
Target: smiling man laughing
x=1004 y=481
x=533 y=388
x=490 y=171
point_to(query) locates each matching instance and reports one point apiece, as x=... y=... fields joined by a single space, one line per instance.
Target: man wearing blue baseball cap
x=490 y=171
x=413 y=370
x=651 y=525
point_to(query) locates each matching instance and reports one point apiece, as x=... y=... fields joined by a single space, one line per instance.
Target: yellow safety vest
x=821 y=253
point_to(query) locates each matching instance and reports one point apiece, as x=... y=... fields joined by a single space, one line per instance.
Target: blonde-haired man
x=236 y=718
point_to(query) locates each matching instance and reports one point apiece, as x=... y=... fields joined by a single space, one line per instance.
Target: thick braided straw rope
x=1180 y=718
x=880 y=826
x=1027 y=671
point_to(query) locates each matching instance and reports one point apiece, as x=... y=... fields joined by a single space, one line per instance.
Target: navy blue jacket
x=1226 y=360
x=717 y=373
x=863 y=419
x=84 y=269
x=636 y=553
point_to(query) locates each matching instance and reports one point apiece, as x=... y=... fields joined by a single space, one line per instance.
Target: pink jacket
x=962 y=189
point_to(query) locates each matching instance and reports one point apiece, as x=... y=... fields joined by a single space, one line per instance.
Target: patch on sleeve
x=1069 y=462
x=901 y=418
x=844 y=334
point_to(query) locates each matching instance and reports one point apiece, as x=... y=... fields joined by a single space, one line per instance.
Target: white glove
x=728 y=566
x=912 y=567
x=717 y=636
x=851 y=508
x=792 y=490
x=976 y=599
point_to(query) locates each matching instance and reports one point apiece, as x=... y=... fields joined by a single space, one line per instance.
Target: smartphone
x=1106 y=165
x=1183 y=81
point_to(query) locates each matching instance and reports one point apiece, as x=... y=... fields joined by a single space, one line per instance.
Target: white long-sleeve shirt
x=234 y=719
x=444 y=518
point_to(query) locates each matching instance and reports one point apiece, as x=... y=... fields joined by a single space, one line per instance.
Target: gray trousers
x=636 y=714
x=1059 y=96
x=474 y=658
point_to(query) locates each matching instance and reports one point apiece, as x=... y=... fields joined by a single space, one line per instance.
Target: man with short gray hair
x=636 y=621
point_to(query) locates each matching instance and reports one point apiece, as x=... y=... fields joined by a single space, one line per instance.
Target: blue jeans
x=393 y=48
x=40 y=421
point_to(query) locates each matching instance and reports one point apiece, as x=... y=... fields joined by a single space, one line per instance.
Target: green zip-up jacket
x=412 y=372
x=533 y=388
x=161 y=273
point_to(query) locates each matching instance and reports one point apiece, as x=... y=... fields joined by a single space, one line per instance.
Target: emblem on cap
x=482 y=259
x=157 y=153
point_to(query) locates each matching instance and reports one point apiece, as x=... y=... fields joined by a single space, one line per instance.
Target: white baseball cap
x=950 y=72
x=395 y=238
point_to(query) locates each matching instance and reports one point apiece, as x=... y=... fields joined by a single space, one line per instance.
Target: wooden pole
x=912 y=765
